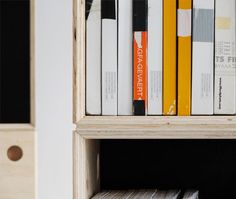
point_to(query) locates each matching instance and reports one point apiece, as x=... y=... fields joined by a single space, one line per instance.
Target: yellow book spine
x=184 y=57
x=169 y=61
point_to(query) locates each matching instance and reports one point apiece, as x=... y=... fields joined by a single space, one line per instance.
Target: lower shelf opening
x=205 y=165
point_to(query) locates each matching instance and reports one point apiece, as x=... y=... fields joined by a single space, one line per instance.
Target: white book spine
x=155 y=61
x=93 y=59
x=225 y=58
x=109 y=65
x=125 y=99
x=203 y=57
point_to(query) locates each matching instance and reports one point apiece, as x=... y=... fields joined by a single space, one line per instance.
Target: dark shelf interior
x=206 y=165
x=14 y=61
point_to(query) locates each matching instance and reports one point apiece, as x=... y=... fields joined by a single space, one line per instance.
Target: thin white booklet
x=125 y=37
x=109 y=57
x=155 y=61
x=93 y=57
x=203 y=57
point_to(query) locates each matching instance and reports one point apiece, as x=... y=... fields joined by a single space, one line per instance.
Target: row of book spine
x=148 y=194
x=160 y=57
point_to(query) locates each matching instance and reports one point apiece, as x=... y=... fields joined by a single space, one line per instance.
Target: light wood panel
x=79 y=60
x=86 y=167
x=209 y=127
x=17 y=178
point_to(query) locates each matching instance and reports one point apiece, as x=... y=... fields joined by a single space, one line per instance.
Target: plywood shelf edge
x=130 y=127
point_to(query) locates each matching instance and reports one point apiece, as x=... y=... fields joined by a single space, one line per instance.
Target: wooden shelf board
x=17 y=127
x=157 y=127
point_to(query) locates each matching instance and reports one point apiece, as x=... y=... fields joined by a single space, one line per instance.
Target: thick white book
x=225 y=57
x=155 y=61
x=109 y=57
x=203 y=57
x=93 y=57
x=125 y=37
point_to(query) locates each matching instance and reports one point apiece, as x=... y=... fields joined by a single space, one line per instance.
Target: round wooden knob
x=14 y=153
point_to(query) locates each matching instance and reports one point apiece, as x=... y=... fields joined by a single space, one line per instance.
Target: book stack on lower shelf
x=147 y=194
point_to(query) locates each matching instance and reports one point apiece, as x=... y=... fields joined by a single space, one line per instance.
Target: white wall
x=54 y=98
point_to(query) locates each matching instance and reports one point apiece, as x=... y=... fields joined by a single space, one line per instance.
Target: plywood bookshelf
x=91 y=130
x=18 y=140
